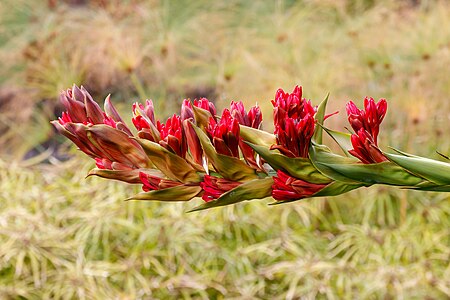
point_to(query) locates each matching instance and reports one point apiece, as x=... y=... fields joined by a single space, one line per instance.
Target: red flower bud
x=143 y=115
x=206 y=105
x=365 y=149
x=294 y=123
x=286 y=187
x=369 y=119
x=214 y=187
x=172 y=136
x=186 y=110
x=225 y=134
x=251 y=119
x=366 y=124
x=81 y=107
x=152 y=183
x=294 y=136
x=187 y=115
x=291 y=105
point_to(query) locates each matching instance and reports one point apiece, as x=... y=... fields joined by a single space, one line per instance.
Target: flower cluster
x=366 y=124
x=227 y=158
x=294 y=128
x=103 y=136
x=294 y=123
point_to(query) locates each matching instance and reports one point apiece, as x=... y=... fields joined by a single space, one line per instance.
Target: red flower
x=110 y=146
x=81 y=108
x=143 y=115
x=291 y=106
x=370 y=118
x=294 y=123
x=152 y=183
x=286 y=187
x=214 y=187
x=172 y=136
x=251 y=119
x=294 y=136
x=206 y=105
x=366 y=124
x=225 y=134
x=365 y=149
x=187 y=116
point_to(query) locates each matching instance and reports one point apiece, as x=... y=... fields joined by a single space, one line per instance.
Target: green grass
x=63 y=236
x=66 y=237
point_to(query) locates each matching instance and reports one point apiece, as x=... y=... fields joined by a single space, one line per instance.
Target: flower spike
x=366 y=124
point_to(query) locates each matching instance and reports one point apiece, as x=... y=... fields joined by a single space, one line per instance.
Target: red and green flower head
x=294 y=128
x=294 y=123
x=224 y=134
x=84 y=122
x=366 y=124
x=143 y=115
x=251 y=119
x=188 y=116
x=368 y=118
x=172 y=136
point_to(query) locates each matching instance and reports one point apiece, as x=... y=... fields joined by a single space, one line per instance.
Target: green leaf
x=432 y=170
x=172 y=165
x=381 y=173
x=433 y=188
x=298 y=167
x=257 y=137
x=229 y=167
x=253 y=189
x=344 y=169
x=177 y=193
x=319 y=117
x=343 y=139
x=337 y=188
x=321 y=155
x=403 y=153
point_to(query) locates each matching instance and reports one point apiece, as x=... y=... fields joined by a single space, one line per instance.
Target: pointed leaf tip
x=319 y=117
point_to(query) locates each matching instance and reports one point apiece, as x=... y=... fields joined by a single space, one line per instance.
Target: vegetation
x=63 y=236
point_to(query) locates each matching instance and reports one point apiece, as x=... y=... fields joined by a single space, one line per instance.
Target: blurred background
x=66 y=237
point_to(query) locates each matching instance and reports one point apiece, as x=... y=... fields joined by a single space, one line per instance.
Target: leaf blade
x=298 y=167
x=319 y=117
x=173 y=194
